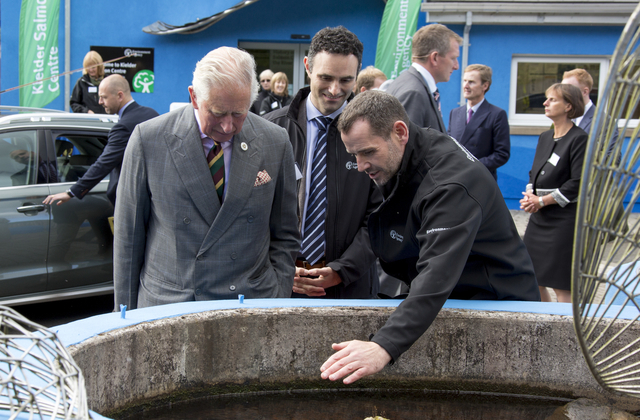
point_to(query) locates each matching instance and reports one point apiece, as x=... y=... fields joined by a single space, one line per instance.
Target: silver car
x=52 y=252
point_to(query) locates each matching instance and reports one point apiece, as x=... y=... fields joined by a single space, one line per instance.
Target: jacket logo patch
x=352 y=165
x=395 y=235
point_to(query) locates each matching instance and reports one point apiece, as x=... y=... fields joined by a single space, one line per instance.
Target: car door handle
x=31 y=208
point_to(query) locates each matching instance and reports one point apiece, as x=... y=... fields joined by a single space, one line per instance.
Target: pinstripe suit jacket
x=175 y=242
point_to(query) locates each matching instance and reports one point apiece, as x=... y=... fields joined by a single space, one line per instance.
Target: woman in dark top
x=85 y=96
x=279 y=96
x=553 y=191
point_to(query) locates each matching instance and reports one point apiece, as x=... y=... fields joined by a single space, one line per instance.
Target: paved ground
x=521 y=220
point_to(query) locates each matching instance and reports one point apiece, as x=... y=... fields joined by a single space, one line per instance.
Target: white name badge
x=93 y=89
x=554 y=159
x=274 y=105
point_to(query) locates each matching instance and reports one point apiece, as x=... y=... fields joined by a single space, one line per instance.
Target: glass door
x=284 y=57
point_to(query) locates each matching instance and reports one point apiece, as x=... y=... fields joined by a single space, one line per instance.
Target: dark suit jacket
x=587 y=118
x=585 y=124
x=111 y=158
x=413 y=93
x=486 y=136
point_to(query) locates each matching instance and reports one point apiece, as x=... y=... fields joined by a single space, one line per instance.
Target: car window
x=21 y=163
x=75 y=153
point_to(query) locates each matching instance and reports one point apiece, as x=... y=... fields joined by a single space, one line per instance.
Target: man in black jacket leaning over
x=443 y=227
x=115 y=97
x=335 y=260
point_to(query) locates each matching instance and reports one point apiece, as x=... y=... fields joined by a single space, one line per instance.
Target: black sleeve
x=76 y=100
x=571 y=187
x=450 y=220
x=111 y=157
x=357 y=259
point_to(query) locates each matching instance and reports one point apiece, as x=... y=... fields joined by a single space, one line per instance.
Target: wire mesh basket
x=39 y=379
x=606 y=267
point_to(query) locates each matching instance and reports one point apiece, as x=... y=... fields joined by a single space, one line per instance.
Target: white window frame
x=539 y=120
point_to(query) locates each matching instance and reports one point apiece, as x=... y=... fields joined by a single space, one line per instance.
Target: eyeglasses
x=265 y=80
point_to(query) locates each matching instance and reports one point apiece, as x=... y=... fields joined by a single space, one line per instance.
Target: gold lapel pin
x=244 y=146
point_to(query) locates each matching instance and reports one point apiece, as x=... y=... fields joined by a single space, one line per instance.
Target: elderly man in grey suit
x=207 y=201
x=435 y=52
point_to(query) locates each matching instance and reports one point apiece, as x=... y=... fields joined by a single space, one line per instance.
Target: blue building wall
x=494 y=45
x=120 y=23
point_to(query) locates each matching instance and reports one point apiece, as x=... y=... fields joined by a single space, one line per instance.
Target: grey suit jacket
x=413 y=93
x=175 y=242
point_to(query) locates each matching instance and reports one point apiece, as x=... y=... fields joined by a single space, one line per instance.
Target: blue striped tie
x=313 y=243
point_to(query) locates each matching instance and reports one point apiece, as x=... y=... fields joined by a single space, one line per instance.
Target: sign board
x=137 y=68
x=39 y=59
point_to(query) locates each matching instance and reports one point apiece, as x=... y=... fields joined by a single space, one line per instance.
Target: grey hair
x=268 y=73
x=224 y=67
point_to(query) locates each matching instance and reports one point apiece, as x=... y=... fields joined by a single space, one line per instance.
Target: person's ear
x=306 y=66
x=401 y=131
x=192 y=95
x=433 y=57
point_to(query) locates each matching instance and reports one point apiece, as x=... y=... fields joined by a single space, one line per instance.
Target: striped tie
x=436 y=97
x=313 y=243
x=216 y=166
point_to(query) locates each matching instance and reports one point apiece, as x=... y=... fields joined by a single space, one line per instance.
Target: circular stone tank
x=195 y=349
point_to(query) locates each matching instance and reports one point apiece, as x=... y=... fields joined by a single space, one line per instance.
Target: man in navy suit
x=115 y=97
x=581 y=79
x=435 y=50
x=482 y=128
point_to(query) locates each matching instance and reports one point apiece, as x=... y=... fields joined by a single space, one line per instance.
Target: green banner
x=39 y=52
x=399 y=23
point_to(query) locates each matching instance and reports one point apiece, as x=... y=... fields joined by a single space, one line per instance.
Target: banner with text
x=399 y=23
x=137 y=67
x=38 y=56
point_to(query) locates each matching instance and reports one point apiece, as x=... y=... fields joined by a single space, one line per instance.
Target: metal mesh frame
x=606 y=241
x=38 y=377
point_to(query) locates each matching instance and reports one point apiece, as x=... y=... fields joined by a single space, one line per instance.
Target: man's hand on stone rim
x=354 y=359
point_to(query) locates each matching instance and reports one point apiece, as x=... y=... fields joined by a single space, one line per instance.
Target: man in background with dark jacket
x=334 y=199
x=115 y=97
x=265 y=88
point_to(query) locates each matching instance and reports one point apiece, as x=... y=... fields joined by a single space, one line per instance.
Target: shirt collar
x=587 y=106
x=124 y=107
x=202 y=135
x=475 y=107
x=312 y=111
x=431 y=82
